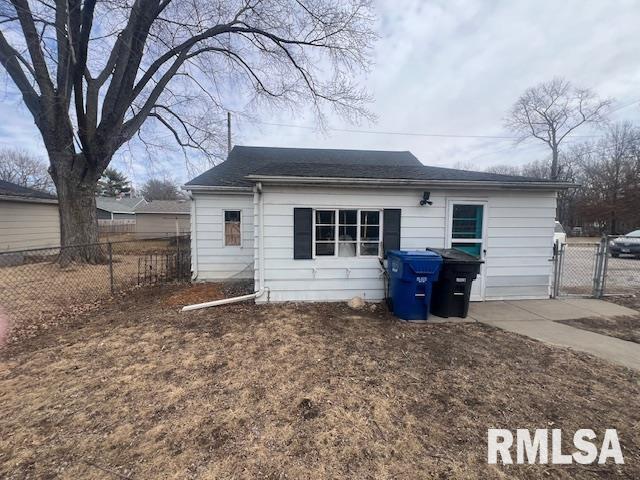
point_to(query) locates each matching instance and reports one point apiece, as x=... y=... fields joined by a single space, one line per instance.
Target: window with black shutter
x=391 y=230
x=302 y=233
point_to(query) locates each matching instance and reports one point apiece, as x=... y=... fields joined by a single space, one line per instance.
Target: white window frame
x=224 y=227
x=358 y=240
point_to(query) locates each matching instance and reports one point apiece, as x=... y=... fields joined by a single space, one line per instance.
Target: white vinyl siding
x=211 y=259
x=25 y=225
x=519 y=245
x=519 y=241
x=339 y=278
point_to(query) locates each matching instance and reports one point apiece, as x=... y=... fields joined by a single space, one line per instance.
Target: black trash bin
x=450 y=295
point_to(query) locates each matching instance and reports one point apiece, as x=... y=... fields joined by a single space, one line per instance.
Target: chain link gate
x=589 y=269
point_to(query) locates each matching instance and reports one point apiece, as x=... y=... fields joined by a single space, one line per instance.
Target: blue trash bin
x=411 y=275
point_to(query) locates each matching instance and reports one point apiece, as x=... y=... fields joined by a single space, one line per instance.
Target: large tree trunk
x=75 y=184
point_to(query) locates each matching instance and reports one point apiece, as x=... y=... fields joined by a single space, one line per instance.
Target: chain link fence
x=39 y=284
x=596 y=268
x=621 y=269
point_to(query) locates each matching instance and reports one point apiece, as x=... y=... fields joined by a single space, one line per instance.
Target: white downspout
x=258 y=201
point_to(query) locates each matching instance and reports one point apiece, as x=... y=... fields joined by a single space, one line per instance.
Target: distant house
x=111 y=208
x=163 y=218
x=28 y=218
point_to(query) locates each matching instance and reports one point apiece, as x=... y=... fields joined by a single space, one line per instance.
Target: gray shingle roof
x=115 y=205
x=8 y=189
x=309 y=162
x=244 y=161
x=166 y=206
x=422 y=172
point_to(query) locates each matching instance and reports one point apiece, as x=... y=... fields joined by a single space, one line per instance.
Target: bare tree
x=25 y=169
x=160 y=189
x=610 y=177
x=93 y=74
x=551 y=111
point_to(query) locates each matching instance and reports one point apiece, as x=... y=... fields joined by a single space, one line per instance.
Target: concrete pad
x=609 y=348
x=500 y=311
x=552 y=309
x=600 y=307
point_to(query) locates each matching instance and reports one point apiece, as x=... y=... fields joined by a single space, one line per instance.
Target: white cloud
x=455 y=67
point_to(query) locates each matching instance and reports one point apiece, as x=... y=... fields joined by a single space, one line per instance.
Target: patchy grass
x=293 y=391
x=625 y=328
x=630 y=301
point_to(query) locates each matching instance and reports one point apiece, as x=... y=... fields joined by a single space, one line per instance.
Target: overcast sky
x=452 y=68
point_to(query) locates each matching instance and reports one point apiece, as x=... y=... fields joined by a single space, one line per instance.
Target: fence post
x=605 y=266
x=557 y=268
x=178 y=267
x=598 y=279
x=110 y=251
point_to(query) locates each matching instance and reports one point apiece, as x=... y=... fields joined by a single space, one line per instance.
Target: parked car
x=559 y=235
x=628 y=244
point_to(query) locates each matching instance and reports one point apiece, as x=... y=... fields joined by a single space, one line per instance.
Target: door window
x=466 y=228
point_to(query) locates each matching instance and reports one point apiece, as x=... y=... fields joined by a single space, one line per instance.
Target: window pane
x=325 y=233
x=369 y=248
x=467 y=221
x=325 y=248
x=370 y=233
x=347 y=249
x=470 y=248
x=370 y=218
x=325 y=217
x=232 y=216
x=348 y=232
x=348 y=217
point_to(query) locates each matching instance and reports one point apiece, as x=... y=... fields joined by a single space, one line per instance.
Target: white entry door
x=467 y=226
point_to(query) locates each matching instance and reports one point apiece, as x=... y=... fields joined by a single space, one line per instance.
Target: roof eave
x=18 y=198
x=480 y=184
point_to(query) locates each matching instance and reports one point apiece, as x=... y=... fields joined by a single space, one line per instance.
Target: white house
x=314 y=224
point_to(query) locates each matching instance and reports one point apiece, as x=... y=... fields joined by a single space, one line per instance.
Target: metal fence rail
x=38 y=283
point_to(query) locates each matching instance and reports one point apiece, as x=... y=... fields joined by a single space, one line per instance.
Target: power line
x=623 y=106
x=407 y=134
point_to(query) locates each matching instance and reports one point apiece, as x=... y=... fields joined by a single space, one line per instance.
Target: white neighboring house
x=313 y=224
x=28 y=218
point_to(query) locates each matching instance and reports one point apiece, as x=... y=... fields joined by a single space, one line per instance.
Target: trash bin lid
x=419 y=254
x=451 y=255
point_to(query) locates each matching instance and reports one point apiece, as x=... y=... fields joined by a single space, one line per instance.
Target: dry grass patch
x=293 y=391
x=624 y=328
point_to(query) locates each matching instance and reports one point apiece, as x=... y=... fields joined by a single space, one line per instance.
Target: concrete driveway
x=536 y=319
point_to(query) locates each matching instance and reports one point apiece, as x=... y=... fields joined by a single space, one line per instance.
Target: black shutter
x=302 y=233
x=391 y=230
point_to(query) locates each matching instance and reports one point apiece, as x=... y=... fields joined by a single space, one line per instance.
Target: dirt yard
x=142 y=391
x=631 y=301
x=625 y=328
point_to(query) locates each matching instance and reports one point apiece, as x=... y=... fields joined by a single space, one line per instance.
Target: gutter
x=338 y=181
x=258 y=203
x=216 y=188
